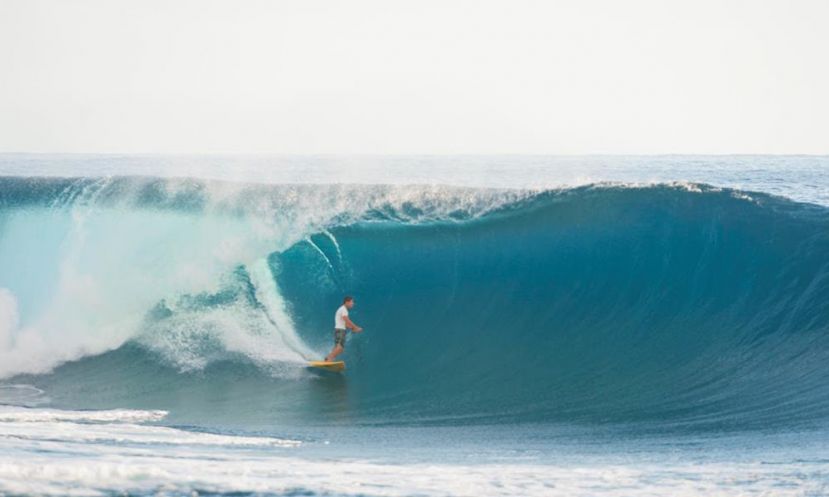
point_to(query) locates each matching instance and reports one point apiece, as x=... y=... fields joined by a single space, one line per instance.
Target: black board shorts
x=339 y=337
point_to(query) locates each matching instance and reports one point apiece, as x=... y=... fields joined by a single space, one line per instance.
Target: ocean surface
x=534 y=326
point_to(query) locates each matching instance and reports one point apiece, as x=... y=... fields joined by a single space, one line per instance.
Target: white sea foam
x=8 y=317
x=59 y=452
x=125 y=433
x=11 y=414
x=112 y=259
x=286 y=340
x=115 y=466
x=21 y=426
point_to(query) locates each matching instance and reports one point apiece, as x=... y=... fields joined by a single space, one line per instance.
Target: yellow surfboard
x=336 y=366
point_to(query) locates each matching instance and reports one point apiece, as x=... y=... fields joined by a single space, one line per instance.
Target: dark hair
x=348 y=298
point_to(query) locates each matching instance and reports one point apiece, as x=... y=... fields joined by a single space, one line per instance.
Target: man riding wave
x=341 y=325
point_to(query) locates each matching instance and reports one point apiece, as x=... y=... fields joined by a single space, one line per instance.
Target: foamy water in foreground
x=54 y=452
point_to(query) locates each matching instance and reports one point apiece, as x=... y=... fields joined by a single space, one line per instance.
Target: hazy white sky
x=307 y=76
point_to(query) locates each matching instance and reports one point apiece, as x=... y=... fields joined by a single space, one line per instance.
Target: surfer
x=341 y=325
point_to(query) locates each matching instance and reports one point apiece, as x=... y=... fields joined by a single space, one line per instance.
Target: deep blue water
x=648 y=323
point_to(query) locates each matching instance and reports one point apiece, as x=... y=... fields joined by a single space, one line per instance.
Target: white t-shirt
x=339 y=317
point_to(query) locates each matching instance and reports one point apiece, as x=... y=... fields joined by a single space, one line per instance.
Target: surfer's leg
x=337 y=350
x=339 y=345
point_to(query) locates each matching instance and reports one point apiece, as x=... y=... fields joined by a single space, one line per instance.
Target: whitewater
x=534 y=325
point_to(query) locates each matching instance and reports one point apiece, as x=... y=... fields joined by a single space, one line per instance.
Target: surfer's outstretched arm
x=350 y=324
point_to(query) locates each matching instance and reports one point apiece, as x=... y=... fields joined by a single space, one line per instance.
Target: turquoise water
x=533 y=325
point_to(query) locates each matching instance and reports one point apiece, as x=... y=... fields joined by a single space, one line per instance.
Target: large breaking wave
x=683 y=304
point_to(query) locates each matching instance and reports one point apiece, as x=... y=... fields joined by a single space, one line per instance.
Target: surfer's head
x=348 y=301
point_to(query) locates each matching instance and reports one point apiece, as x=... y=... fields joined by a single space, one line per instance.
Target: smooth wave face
x=608 y=304
x=673 y=304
